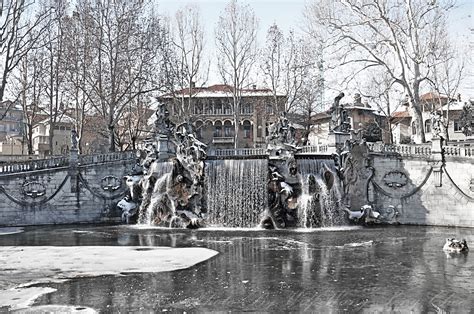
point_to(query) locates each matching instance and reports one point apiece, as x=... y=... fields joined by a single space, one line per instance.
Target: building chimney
x=254 y=86
x=357 y=99
x=193 y=84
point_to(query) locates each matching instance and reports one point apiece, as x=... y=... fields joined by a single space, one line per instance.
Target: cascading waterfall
x=318 y=205
x=154 y=188
x=236 y=192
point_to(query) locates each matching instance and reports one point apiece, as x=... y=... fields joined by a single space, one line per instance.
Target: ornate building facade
x=212 y=114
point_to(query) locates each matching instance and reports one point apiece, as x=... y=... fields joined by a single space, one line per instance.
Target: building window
x=218 y=107
x=247 y=109
x=198 y=108
x=198 y=128
x=247 y=129
x=457 y=126
x=218 y=129
x=208 y=109
x=428 y=126
x=270 y=109
x=228 y=132
x=227 y=109
x=413 y=128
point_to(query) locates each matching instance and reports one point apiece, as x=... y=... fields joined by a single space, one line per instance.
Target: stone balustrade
x=58 y=162
x=33 y=165
x=238 y=152
x=459 y=151
x=403 y=150
x=107 y=157
x=318 y=149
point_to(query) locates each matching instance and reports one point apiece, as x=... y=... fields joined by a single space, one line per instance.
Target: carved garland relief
x=33 y=189
x=395 y=179
x=110 y=183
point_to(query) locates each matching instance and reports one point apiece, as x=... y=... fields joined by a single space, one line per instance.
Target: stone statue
x=437 y=125
x=339 y=118
x=467 y=119
x=163 y=124
x=74 y=139
x=281 y=137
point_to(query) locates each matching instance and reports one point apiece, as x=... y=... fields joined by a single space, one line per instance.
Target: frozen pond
x=398 y=269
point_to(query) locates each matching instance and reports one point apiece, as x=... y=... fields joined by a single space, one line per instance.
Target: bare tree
x=16 y=27
x=398 y=35
x=447 y=75
x=78 y=51
x=286 y=62
x=236 y=34
x=55 y=72
x=124 y=46
x=28 y=87
x=184 y=61
x=272 y=61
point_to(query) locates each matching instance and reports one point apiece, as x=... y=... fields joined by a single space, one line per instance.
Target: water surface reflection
x=371 y=270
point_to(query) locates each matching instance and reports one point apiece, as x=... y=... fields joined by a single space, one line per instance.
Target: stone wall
x=84 y=193
x=424 y=190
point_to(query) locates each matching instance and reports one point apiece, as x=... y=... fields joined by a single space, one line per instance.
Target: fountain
x=174 y=184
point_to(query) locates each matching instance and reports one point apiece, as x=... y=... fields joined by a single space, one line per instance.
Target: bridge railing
x=238 y=152
x=64 y=161
x=403 y=150
x=459 y=151
x=317 y=149
x=33 y=165
x=107 y=157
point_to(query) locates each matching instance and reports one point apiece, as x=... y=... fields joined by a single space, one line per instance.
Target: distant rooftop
x=220 y=90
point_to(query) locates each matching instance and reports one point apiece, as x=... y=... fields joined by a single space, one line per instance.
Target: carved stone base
x=336 y=141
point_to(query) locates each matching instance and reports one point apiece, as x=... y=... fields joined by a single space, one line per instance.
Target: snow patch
x=10 y=230
x=43 y=264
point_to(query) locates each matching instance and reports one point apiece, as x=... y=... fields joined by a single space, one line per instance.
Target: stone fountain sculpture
x=174 y=198
x=283 y=179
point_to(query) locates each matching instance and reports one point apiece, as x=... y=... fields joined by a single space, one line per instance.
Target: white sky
x=288 y=14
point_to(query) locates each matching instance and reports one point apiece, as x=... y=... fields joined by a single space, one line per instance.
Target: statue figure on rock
x=175 y=198
x=339 y=118
x=438 y=125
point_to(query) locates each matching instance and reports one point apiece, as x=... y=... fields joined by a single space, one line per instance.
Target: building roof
x=64 y=120
x=432 y=96
x=220 y=90
x=454 y=106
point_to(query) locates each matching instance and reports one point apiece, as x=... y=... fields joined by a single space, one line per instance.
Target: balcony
x=223 y=140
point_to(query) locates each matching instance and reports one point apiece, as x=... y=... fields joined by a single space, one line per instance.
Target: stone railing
x=459 y=151
x=319 y=149
x=33 y=165
x=64 y=161
x=238 y=152
x=107 y=157
x=404 y=150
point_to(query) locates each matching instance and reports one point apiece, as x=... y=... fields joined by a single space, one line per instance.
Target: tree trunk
x=29 y=139
x=111 y=138
x=51 y=137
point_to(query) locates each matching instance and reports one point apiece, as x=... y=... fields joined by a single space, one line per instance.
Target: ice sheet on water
x=10 y=230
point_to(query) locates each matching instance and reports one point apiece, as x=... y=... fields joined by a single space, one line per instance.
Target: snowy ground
x=22 y=267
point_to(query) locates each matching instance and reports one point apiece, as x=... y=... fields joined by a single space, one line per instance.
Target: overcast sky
x=288 y=14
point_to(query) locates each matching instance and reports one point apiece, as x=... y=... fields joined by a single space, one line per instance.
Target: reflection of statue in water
x=339 y=119
x=74 y=139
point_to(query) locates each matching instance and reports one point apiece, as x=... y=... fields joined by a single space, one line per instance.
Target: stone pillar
x=437 y=160
x=336 y=141
x=73 y=170
x=163 y=146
